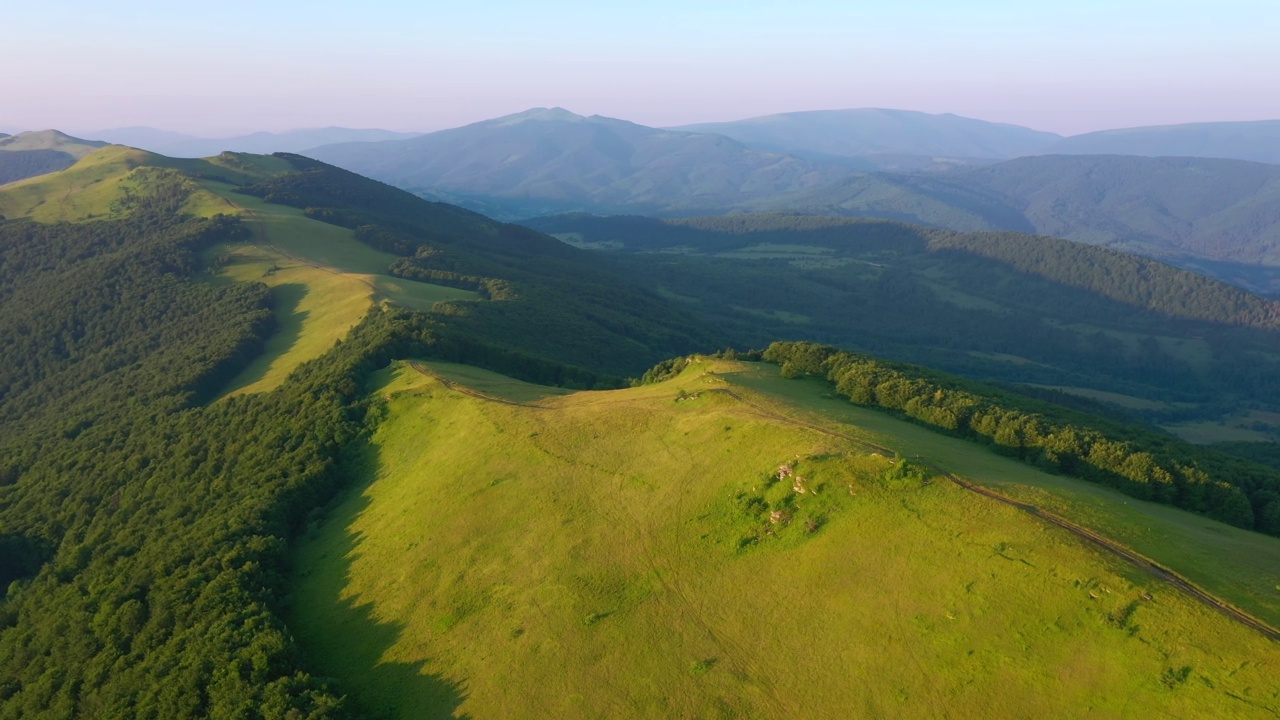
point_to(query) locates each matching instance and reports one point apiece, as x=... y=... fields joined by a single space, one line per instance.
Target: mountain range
x=1220 y=217
x=551 y=160
x=189 y=146
x=36 y=153
x=1258 y=141
x=881 y=134
x=1212 y=215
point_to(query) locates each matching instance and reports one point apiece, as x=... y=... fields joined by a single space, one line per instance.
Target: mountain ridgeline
x=551 y=160
x=1218 y=217
x=884 y=137
x=37 y=153
x=180 y=145
x=1256 y=141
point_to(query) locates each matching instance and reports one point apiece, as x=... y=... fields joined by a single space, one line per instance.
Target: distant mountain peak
x=555 y=114
x=48 y=140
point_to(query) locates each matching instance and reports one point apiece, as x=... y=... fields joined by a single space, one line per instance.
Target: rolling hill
x=727 y=544
x=543 y=161
x=886 y=137
x=37 y=153
x=189 y=146
x=1257 y=141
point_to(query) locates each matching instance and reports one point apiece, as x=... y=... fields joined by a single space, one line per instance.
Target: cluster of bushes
x=1138 y=462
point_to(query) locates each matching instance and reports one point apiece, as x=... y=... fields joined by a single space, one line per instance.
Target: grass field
x=324 y=283
x=614 y=554
x=1238 y=565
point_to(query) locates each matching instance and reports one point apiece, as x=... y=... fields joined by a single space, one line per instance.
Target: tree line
x=1138 y=462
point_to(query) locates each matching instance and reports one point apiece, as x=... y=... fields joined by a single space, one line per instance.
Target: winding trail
x=1130 y=556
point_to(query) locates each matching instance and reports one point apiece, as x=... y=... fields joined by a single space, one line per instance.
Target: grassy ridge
x=1192 y=545
x=612 y=554
x=324 y=282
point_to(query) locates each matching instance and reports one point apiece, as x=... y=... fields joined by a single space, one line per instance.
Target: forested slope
x=993 y=305
x=547 y=298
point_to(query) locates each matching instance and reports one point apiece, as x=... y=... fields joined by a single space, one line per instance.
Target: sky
x=236 y=66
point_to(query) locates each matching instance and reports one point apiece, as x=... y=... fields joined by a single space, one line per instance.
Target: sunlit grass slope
x=93 y=188
x=324 y=282
x=631 y=554
x=1238 y=565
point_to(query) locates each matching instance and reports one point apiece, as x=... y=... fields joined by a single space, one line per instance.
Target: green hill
x=634 y=553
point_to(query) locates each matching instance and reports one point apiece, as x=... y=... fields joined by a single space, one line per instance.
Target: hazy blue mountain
x=1257 y=141
x=50 y=140
x=547 y=160
x=898 y=138
x=1220 y=217
x=180 y=145
x=37 y=153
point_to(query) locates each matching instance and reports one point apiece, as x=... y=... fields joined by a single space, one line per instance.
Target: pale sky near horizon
x=235 y=66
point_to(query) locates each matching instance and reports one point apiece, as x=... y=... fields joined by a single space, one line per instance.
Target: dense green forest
x=145 y=533
x=1003 y=306
x=1140 y=463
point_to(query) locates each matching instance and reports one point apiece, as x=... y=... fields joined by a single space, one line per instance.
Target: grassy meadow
x=633 y=553
x=323 y=280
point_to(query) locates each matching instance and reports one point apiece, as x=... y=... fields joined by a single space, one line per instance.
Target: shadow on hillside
x=289 y=320
x=356 y=641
